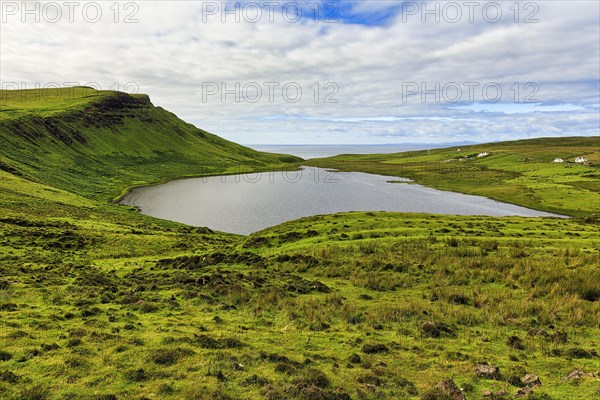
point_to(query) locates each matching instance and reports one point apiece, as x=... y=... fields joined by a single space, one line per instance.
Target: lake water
x=248 y=203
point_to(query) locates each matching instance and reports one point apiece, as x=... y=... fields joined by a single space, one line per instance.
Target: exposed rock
x=487 y=371
x=524 y=392
x=448 y=390
x=531 y=380
x=577 y=374
x=501 y=394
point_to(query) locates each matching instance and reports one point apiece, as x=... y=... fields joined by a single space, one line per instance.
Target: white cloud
x=172 y=52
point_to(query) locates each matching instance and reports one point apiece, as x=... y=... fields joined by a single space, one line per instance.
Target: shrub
x=369 y=379
x=313 y=377
x=577 y=352
x=167 y=356
x=515 y=342
x=5 y=355
x=8 y=376
x=375 y=348
x=452 y=242
x=136 y=375
x=355 y=359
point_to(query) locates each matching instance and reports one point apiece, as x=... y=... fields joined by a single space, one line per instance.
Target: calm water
x=248 y=203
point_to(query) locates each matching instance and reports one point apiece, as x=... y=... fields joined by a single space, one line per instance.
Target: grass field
x=100 y=302
x=520 y=172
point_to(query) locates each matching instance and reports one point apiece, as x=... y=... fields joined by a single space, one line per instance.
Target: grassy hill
x=97 y=143
x=520 y=172
x=99 y=302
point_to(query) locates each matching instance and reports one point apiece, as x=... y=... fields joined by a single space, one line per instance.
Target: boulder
x=501 y=394
x=448 y=390
x=487 y=371
x=578 y=374
x=524 y=392
x=531 y=380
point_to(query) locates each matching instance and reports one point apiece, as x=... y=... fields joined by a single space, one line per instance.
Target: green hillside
x=99 y=302
x=97 y=143
x=521 y=172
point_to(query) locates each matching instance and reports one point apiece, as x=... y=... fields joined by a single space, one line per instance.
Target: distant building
x=484 y=154
x=580 y=160
x=559 y=160
x=459 y=150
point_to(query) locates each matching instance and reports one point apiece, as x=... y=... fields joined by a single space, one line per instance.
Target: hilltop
x=97 y=143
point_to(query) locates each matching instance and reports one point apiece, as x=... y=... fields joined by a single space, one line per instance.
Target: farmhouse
x=559 y=160
x=484 y=154
x=581 y=160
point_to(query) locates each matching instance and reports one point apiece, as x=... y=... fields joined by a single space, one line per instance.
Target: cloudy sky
x=277 y=72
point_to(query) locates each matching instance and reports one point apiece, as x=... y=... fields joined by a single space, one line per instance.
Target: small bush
x=49 y=346
x=168 y=356
x=369 y=379
x=576 y=352
x=313 y=377
x=452 y=242
x=74 y=342
x=136 y=375
x=355 y=359
x=515 y=342
x=375 y=348
x=5 y=355
x=8 y=376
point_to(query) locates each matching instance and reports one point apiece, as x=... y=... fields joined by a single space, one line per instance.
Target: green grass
x=519 y=172
x=99 y=143
x=100 y=302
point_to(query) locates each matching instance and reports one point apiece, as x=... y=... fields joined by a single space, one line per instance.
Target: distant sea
x=318 y=151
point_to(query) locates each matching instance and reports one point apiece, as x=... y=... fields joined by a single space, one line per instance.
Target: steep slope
x=95 y=143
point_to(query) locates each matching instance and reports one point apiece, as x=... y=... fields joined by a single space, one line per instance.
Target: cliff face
x=97 y=144
x=106 y=112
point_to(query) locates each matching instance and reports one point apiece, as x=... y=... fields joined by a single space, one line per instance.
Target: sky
x=325 y=72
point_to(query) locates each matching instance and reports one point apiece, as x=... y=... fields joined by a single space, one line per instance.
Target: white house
x=580 y=160
x=484 y=154
x=559 y=160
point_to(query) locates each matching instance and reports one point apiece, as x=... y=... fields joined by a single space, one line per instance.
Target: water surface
x=248 y=203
